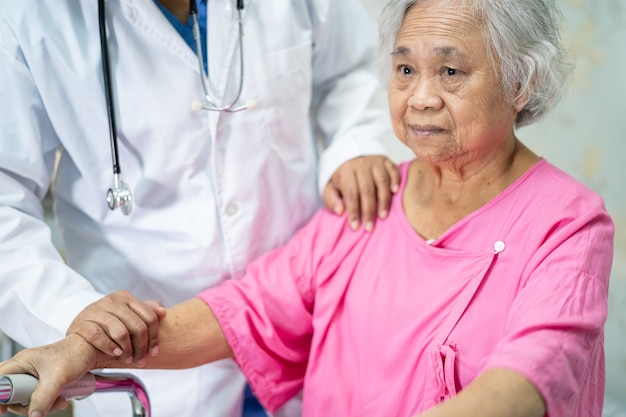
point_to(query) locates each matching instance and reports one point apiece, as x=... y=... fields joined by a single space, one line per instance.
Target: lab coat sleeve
x=40 y=294
x=347 y=96
x=554 y=331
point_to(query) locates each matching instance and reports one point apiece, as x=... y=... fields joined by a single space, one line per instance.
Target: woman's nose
x=425 y=95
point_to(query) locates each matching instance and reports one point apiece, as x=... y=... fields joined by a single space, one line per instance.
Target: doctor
x=210 y=190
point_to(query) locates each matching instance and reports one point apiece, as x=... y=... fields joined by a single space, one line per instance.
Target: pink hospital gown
x=386 y=324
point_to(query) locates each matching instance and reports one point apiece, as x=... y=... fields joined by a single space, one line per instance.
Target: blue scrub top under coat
x=186 y=31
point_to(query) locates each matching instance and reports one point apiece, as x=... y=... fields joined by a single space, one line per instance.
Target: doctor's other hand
x=55 y=365
x=362 y=187
x=121 y=326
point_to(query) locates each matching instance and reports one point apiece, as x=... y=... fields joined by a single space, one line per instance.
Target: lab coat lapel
x=223 y=38
x=147 y=17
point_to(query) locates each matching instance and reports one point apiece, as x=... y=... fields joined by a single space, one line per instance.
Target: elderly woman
x=484 y=293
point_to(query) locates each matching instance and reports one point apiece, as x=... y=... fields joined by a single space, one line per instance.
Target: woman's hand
x=362 y=187
x=494 y=393
x=56 y=366
x=121 y=326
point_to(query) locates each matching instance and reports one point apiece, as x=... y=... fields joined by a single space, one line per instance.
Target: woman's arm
x=495 y=393
x=189 y=336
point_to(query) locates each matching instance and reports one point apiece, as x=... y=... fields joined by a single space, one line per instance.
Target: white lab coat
x=212 y=191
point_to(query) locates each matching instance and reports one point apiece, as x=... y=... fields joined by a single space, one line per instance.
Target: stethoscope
x=120 y=195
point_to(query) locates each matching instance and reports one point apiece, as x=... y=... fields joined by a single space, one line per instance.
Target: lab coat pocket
x=287 y=90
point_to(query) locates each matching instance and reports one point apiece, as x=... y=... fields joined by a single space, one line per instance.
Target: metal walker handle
x=17 y=389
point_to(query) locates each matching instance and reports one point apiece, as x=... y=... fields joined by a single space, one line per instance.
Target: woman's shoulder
x=553 y=203
x=326 y=233
x=555 y=184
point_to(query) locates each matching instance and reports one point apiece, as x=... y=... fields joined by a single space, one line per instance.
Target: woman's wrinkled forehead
x=445 y=19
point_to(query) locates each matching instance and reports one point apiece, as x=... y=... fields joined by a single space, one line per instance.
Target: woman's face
x=445 y=98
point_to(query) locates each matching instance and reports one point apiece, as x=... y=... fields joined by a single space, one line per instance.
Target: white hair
x=523 y=42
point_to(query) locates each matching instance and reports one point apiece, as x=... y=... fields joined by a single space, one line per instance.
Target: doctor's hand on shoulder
x=362 y=188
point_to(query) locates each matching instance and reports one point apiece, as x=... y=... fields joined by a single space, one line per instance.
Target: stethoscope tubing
x=206 y=81
x=108 y=88
x=120 y=195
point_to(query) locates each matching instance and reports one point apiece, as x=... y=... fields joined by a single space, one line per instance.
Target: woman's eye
x=450 y=71
x=404 y=70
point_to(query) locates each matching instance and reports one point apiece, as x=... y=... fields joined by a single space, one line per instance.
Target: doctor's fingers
x=111 y=338
x=344 y=186
x=128 y=333
x=386 y=176
x=343 y=193
x=376 y=179
x=122 y=326
x=141 y=322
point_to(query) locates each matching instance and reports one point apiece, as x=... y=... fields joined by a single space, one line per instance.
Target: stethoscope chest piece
x=120 y=197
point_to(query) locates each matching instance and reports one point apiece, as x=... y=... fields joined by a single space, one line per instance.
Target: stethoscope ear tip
x=196 y=105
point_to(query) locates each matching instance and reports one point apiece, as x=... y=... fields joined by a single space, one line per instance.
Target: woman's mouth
x=426 y=130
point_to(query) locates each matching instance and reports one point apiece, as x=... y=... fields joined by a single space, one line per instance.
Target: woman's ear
x=522 y=99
